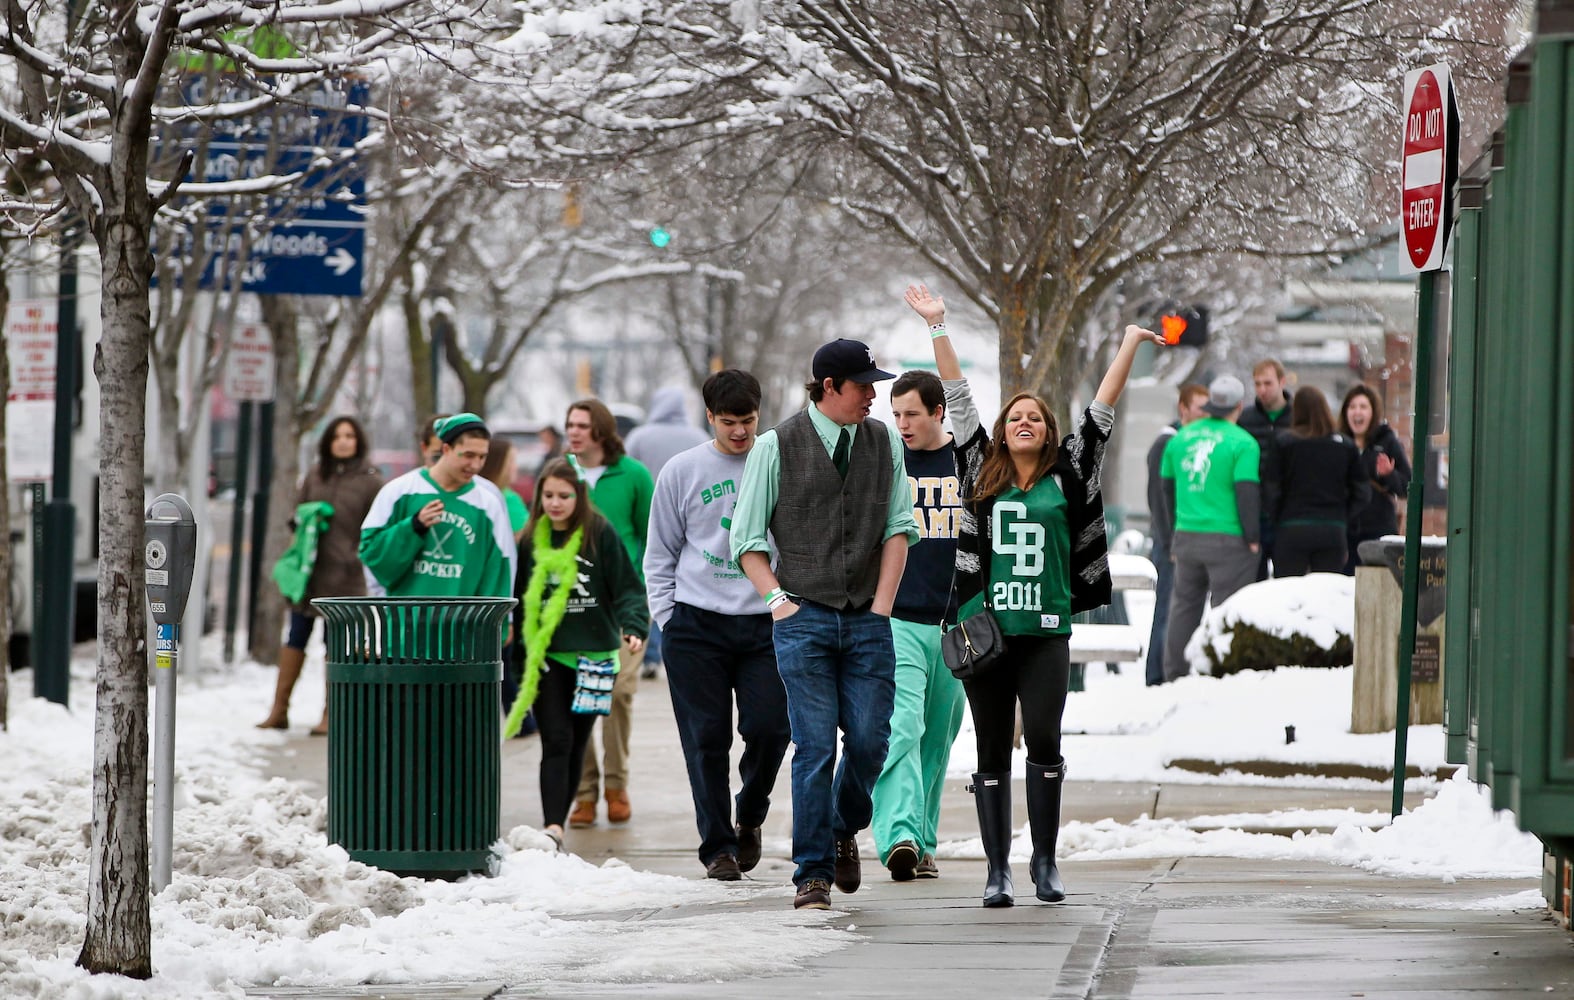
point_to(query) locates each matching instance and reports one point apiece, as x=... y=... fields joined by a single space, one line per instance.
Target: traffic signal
x=659 y=237
x=1185 y=326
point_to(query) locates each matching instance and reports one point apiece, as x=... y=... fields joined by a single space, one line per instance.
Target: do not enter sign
x=1430 y=166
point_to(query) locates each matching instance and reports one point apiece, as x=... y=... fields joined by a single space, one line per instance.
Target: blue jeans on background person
x=713 y=658
x=653 y=655
x=1161 y=611
x=839 y=669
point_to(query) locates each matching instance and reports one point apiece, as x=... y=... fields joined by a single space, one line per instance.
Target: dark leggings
x=564 y=736
x=1308 y=547
x=1035 y=669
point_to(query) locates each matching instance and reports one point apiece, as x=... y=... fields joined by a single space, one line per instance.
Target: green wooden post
x=1421 y=380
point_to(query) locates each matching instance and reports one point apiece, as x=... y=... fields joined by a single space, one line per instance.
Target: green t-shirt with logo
x=1206 y=458
x=1029 y=583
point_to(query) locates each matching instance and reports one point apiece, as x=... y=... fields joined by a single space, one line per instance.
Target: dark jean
x=1161 y=611
x=1304 y=547
x=839 y=669
x=711 y=658
x=300 y=630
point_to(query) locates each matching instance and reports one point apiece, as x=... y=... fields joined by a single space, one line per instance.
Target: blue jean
x=839 y=669
x=1161 y=611
x=711 y=658
x=653 y=644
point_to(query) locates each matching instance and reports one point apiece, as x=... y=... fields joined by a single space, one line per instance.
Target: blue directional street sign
x=314 y=239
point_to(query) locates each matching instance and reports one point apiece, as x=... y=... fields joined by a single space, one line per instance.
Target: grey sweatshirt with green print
x=687 y=554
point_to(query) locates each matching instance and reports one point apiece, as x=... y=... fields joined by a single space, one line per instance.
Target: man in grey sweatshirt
x=717 y=632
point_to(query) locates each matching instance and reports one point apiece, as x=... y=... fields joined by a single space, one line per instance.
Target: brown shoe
x=749 y=841
x=903 y=861
x=927 y=867
x=814 y=894
x=584 y=814
x=723 y=868
x=618 y=808
x=849 y=873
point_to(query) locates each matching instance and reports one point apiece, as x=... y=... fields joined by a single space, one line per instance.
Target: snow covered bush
x=1303 y=621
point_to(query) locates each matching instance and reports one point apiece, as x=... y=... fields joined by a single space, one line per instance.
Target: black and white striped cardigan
x=1078 y=469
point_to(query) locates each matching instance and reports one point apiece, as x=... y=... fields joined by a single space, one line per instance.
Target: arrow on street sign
x=341 y=261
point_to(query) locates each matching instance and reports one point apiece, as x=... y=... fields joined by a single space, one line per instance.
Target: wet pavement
x=1170 y=927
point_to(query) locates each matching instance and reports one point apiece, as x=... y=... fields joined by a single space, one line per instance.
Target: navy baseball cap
x=849 y=359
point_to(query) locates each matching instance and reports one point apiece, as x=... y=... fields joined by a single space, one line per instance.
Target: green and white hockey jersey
x=469 y=552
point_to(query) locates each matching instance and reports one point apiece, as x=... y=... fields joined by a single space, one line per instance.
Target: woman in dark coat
x=343 y=479
x=1387 y=469
x=1321 y=484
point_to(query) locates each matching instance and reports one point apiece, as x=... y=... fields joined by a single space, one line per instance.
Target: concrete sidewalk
x=1175 y=927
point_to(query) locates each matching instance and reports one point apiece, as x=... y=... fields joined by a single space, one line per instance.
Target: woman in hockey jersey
x=579 y=599
x=1042 y=557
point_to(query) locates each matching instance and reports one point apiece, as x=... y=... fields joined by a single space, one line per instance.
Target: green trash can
x=414 y=734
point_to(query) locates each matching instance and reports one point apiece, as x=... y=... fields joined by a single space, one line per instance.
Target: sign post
x=1429 y=170
x=170 y=558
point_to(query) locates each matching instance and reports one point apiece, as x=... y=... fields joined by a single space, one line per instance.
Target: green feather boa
x=542 y=620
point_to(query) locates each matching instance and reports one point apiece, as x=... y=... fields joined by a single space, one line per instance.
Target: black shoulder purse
x=976 y=643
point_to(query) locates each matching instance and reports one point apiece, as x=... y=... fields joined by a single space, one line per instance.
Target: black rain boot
x=992 y=795
x=1043 y=814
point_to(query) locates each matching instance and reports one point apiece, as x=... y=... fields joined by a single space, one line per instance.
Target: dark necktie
x=843 y=447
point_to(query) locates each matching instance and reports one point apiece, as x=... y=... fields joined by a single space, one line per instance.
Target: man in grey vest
x=829 y=486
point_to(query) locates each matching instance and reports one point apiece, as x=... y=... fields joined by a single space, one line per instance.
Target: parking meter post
x=170 y=557
x=166 y=652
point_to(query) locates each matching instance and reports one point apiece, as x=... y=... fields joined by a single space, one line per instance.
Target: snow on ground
x=1120 y=729
x=261 y=898
x=1320 y=606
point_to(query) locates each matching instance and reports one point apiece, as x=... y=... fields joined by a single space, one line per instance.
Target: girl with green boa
x=579 y=599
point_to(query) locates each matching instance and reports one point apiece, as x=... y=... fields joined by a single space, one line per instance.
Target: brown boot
x=584 y=814
x=290 y=662
x=618 y=808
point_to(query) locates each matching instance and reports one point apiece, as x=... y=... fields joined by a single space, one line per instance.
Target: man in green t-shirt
x=1210 y=475
x=440 y=531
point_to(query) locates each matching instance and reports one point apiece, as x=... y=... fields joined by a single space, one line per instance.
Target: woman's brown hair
x=585 y=515
x=496 y=459
x=325 y=459
x=998 y=471
x=1360 y=389
x=1309 y=414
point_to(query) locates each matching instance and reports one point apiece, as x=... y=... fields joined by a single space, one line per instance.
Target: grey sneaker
x=927 y=867
x=815 y=894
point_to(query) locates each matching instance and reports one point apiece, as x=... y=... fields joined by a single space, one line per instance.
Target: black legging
x=1305 y=547
x=564 y=736
x=1036 y=669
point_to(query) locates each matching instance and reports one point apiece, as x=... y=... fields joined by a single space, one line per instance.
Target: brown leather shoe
x=849 y=873
x=749 y=845
x=903 y=861
x=584 y=814
x=815 y=894
x=618 y=808
x=723 y=868
x=927 y=867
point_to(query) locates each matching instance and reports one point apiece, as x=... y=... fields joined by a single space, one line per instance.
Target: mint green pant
x=924 y=724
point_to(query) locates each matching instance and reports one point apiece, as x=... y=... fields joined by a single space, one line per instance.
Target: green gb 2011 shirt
x=1206 y=458
x=469 y=552
x=1029 y=582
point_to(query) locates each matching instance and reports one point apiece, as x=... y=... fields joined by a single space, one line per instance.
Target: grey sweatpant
x=1206 y=564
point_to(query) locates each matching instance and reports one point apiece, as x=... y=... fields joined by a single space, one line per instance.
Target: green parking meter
x=170 y=555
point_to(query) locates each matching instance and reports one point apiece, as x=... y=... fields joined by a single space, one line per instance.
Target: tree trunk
x=421 y=388
x=278 y=313
x=5 y=515
x=119 y=932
